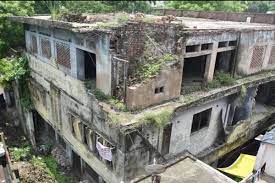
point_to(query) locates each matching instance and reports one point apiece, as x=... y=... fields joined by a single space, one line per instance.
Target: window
x=207 y=46
x=86 y=67
x=201 y=120
x=224 y=61
x=104 y=142
x=63 y=54
x=159 y=90
x=75 y=127
x=192 y=48
x=257 y=57
x=166 y=137
x=222 y=44
x=193 y=70
x=233 y=43
x=45 y=47
x=85 y=132
x=33 y=44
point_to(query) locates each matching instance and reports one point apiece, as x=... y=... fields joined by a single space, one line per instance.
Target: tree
x=11 y=33
x=228 y=6
x=258 y=6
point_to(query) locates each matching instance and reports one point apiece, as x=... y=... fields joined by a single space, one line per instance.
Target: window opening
x=192 y=48
x=207 y=46
x=159 y=90
x=166 y=139
x=233 y=43
x=224 y=61
x=201 y=120
x=193 y=70
x=222 y=44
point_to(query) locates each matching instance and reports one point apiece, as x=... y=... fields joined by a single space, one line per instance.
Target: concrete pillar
x=56 y=137
x=82 y=166
x=103 y=65
x=69 y=153
x=267 y=55
x=210 y=64
x=7 y=98
x=73 y=59
x=30 y=127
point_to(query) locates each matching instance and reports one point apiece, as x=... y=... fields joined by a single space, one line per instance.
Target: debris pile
x=59 y=154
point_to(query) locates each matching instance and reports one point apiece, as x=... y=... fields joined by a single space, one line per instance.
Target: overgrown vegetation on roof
x=160 y=119
x=115 y=103
x=150 y=67
x=221 y=79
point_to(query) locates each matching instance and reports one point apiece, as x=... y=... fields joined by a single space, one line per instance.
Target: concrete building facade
x=160 y=69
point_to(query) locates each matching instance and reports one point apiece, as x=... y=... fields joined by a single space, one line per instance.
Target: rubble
x=59 y=154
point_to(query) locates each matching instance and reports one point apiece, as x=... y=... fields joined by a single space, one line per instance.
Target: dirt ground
x=29 y=172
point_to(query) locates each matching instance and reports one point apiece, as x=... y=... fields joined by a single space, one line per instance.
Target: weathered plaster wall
x=266 y=155
x=143 y=95
x=181 y=137
x=74 y=98
x=247 y=43
x=97 y=44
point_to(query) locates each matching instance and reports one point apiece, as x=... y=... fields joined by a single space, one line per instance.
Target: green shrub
x=221 y=79
x=160 y=119
x=99 y=95
x=50 y=164
x=117 y=104
x=22 y=153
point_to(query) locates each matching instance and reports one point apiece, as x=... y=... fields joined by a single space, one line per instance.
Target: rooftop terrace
x=86 y=23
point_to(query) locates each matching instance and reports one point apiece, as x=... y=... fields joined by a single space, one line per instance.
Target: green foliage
x=122 y=18
x=16 y=69
x=12 y=33
x=12 y=69
x=50 y=164
x=114 y=118
x=152 y=67
x=53 y=7
x=221 y=79
x=115 y=103
x=227 y=6
x=21 y=153
x=99 y=95
x=160 y=119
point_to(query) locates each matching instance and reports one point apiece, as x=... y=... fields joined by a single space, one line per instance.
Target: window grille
x=257 y=57
x=45 y=47
x=33 y=44
x=63 y=54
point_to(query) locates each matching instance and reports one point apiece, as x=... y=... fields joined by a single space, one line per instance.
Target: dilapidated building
x=118 y=91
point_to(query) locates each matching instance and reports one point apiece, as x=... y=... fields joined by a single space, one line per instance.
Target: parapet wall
x=217 y=15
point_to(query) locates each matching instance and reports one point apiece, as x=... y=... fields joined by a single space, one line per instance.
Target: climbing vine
x=16 y=68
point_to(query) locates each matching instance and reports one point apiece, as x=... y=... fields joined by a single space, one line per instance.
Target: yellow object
x=242 y=167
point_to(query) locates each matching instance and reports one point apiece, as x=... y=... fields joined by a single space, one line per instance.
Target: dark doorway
x=90 y=65
x=166 y=139
x=2 y=102
x=193 y=70
x=224 y=61
x=44 y=133
x=76 y=164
